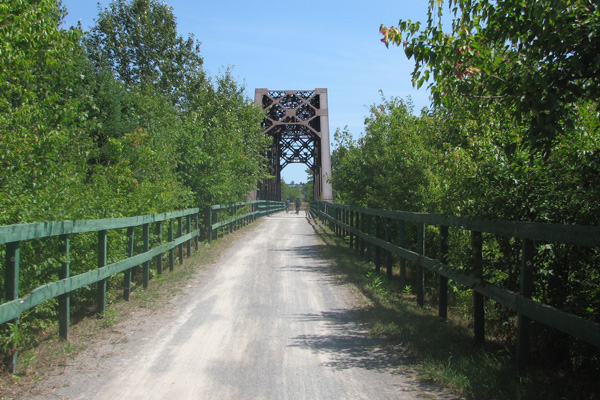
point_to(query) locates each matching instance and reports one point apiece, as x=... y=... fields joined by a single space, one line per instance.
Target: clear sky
x=299 y=45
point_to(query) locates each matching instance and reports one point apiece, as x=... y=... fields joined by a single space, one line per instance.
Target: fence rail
x=188 y=232
x=238 y=214
x=359 y=224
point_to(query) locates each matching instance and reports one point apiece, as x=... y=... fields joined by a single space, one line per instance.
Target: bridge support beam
x=298 y=122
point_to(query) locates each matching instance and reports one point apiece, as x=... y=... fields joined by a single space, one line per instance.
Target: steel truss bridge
x=298 y=122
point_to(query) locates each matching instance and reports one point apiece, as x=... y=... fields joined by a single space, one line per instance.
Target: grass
x=443 y=351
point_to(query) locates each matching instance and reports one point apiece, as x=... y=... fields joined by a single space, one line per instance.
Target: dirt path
x=270 y=321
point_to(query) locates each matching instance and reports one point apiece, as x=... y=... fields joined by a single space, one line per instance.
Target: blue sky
x=299 y=45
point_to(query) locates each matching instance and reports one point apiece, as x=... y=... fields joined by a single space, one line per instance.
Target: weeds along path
x=270 y=320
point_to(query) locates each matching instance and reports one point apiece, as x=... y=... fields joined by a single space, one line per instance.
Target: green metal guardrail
x=188 y=232
x=367 y=227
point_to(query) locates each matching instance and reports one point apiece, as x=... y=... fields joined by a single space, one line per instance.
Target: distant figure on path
x=297 y=205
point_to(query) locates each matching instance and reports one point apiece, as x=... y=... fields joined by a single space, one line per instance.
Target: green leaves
x=138 y=40
x=99 y=131
x=123 y=123
x=537 y=58
x=43 y=155
x=391 y=166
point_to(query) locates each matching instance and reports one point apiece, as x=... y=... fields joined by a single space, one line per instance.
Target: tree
x=214 y=137
x=221 y=154
x=390 y=166
x=538 y=59
x=288 y=192
x=308 y=187
x=516 y=101
x=42 y=149
x=138 y=40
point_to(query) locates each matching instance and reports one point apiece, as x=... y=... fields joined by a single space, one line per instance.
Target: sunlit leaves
x=42 y=153
x=391 y=165
x=138 y=40
x=536 y=58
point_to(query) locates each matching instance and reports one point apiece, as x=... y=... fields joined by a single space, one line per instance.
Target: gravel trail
x=270 y=321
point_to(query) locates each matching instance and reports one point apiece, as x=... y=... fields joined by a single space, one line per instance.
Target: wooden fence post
x=370 y=233
x=64 y=300
x=420 y=274
x=188 y=223
x=159 y=266
x=362 y=230
x=523 y=329
x=146 y=268
x=127 y=274
x=179 y=234
x=209 y=224
x=236 y=223
x=356 y=222
x=343 y=221
x=347 y=222
x=388 y=238
x=335 y=221
x=11 y=285
x=351 y=223
x=443 y=295
x=102 y=256
x=197 y=227
x=170 y=238
x=478 y=300
x=402 y=244
x=377 y=248
x=216 y=220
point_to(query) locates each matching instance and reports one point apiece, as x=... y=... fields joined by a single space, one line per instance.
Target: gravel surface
x=268 y=321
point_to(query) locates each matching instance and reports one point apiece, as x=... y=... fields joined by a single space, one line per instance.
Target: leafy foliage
x=42 y=154
x=513 y=134
x=222 y=145
x=290 y=193
x=538 y=59
x=119 y=121
x=391 y=166
x=138 y=41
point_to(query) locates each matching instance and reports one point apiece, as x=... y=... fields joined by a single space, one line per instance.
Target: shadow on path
x=347 y=345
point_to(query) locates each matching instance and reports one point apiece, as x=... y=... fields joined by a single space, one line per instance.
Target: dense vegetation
x=93 y=127
x=513 y=133
x=117 y=121
x=290 y=192
x=304 y=190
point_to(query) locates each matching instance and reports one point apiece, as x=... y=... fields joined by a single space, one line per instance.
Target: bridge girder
x=298 y=122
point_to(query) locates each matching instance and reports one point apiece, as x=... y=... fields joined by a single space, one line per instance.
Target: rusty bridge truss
x=298 y=122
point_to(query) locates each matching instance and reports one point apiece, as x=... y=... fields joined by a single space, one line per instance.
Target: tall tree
x=390 y=166
x=221 y=156
x=215 y=136
x=138 y=40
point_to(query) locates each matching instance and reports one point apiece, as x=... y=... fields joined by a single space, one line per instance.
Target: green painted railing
x=367 y=228
x=183 y=231
x=232 y=216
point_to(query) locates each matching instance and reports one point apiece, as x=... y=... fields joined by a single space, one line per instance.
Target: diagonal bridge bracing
x=298 y=122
